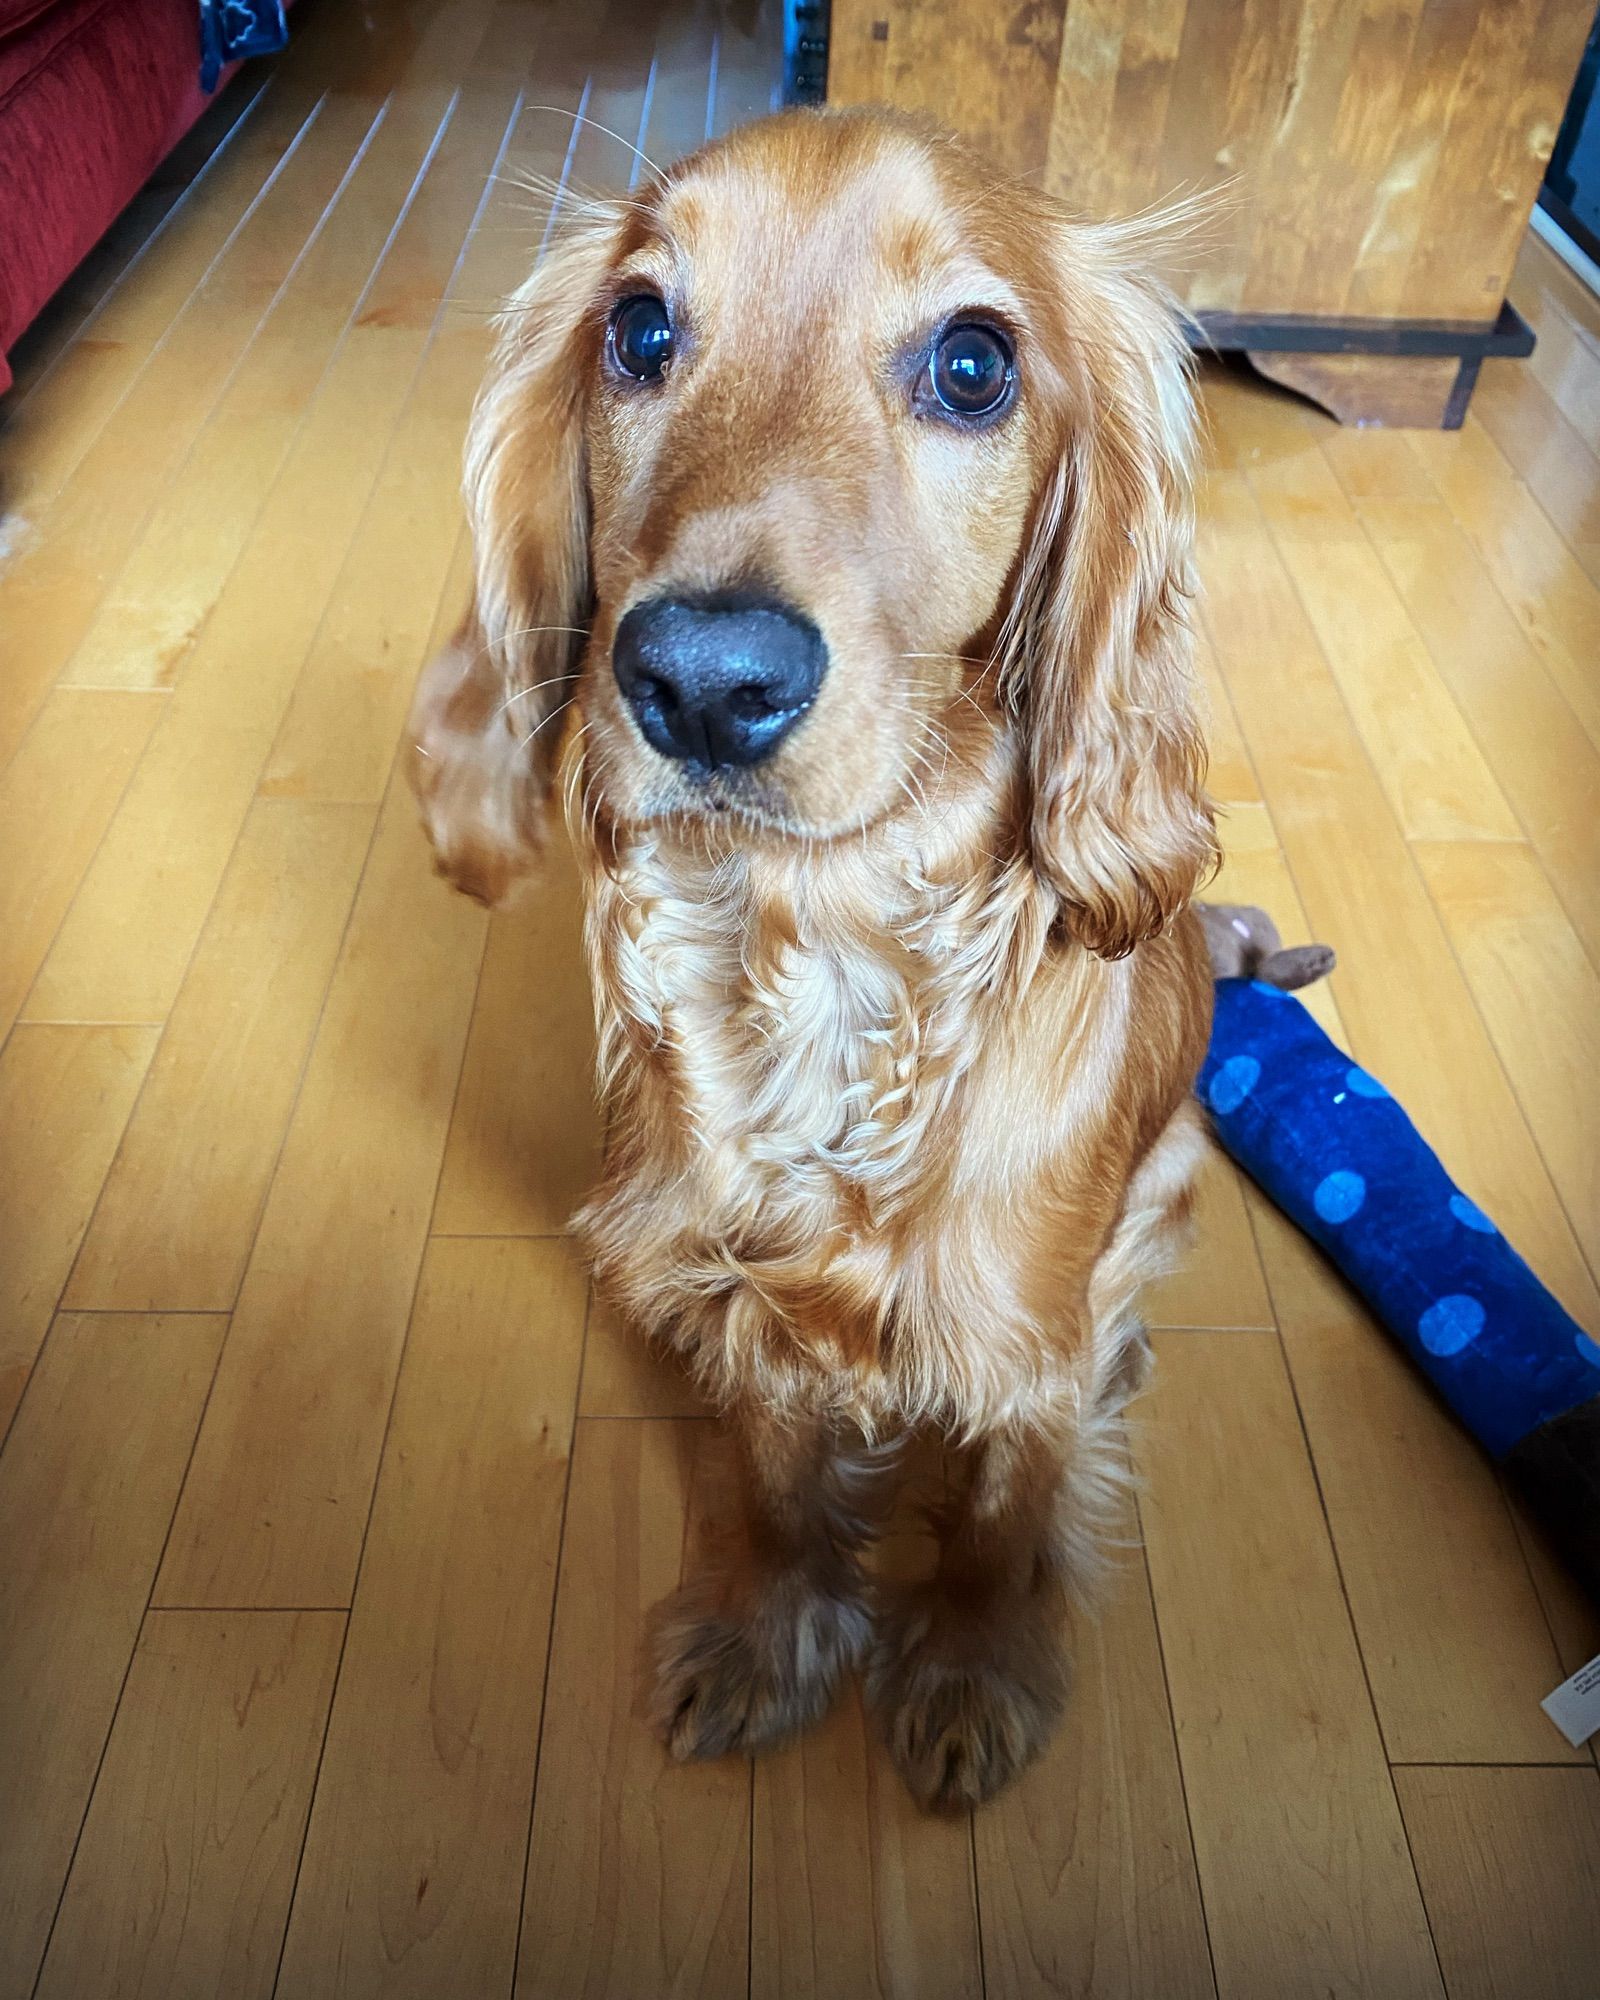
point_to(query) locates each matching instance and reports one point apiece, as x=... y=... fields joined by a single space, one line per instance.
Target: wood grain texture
x=1086 y=1870
x=1510 y=1866
x=1540 y=998
x=1295 y=1824
x=56 y=799
x=148 y=620
x=436 y=1726
x=1406 y=392
x=639 y=1870
x=623 y=1376
x=1219 y=1281
x=1437 y=778
x=65 y=1096
x=1554 y=601
x=277 y=1498
x=122 y=952
x=85 y=1499
x=855 y=1895
x=524 y=1145
x=179 y=1208
x=181 y=1883
x=1379 y=159
x=1546 y=765
x=48 y=595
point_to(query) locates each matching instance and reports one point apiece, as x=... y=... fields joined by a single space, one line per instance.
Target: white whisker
x=580 y=118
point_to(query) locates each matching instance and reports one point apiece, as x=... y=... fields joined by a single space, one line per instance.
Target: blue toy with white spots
x=1338 y=1155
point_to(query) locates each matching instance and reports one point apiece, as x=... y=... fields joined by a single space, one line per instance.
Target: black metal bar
x=1306 y=333
x=1455 y=409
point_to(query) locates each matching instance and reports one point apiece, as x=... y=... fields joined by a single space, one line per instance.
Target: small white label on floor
x=1574 y=1708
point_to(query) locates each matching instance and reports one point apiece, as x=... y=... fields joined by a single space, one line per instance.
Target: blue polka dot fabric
x=1332 y=1148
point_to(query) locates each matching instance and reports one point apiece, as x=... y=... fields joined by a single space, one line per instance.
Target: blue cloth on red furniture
x=230 y=30
x=1338 y=1155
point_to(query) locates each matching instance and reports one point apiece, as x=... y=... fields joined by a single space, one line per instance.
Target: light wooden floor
x=328 y=1509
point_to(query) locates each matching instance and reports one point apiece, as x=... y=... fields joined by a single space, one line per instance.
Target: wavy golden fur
x=897 y=1028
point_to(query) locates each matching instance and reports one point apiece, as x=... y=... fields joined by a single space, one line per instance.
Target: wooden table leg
x=1403 y=391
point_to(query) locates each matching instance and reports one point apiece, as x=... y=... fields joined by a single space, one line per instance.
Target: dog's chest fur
x=790 y=1053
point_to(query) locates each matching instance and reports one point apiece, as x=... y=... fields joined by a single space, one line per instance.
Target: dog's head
x=822 y=434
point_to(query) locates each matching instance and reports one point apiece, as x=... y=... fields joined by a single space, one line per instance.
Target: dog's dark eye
x=971 y=370
x=641 y=337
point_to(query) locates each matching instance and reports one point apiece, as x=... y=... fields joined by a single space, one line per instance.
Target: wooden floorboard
x=331 y=1507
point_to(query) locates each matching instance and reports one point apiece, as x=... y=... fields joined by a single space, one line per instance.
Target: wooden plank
x=122 y=952
x=1086 y=1870
x=1510 y=1866
x=276 y=1501
x=1404 y=391
x=148 y=620
x=338 y=736
x=436 y=1726
x=639 y=1872
x=1546 y=765
x=524 y=1144
x=87 y=1481
x=1243 y=822
x=180 y=1204
x=1457 y=1651
x=1219 y=1282
x=65 y=1096
x=1543 y=282
x=855 y=1894
x=1301 y=1853
x=49 y=593
x=1381 y=158
x=1363 y=895
x=182 y=1878
x=624 y=1377
x=1540 y=997
x=1435 y=775
x=1508 y=94
x=989 y=74
x=1376 y=464
x=56 y=800
x=1565 y=362
x=1556 y=604
x=1557 y=464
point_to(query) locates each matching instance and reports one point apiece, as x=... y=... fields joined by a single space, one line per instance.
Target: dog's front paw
x=964 y=1705
x=744 y=1676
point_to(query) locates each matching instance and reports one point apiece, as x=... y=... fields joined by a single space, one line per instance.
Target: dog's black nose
x=714 y=681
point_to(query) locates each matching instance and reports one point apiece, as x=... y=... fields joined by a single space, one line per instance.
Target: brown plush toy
x=1244 y=944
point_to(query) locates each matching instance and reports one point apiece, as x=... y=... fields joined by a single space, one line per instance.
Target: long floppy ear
x=1096 y=644
x=486 y=720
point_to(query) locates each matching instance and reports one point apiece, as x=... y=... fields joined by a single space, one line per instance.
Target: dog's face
x=818 y=392
x=822 y=437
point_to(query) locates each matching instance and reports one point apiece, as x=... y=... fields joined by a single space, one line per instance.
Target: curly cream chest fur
x=791 y=1063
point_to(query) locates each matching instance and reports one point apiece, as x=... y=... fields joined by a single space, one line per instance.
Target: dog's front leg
x=753 y=1649
x=968 y=1674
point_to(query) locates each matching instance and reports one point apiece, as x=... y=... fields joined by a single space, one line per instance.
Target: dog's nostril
x=662 y=694
x=750 y=703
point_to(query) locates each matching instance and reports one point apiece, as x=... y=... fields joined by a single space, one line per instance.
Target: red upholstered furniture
x=93 y=95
